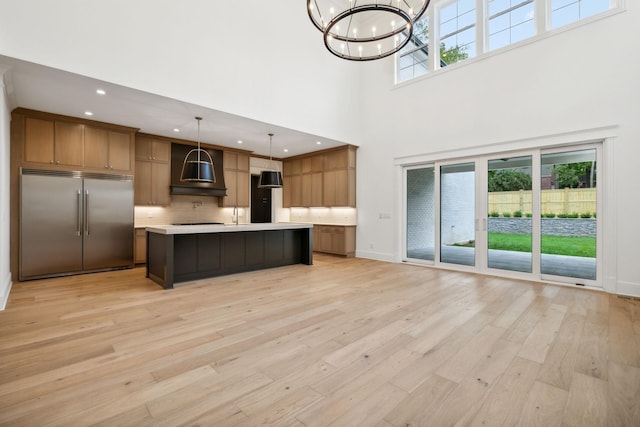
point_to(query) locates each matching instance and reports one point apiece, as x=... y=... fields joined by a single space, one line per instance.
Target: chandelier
x=365 y=30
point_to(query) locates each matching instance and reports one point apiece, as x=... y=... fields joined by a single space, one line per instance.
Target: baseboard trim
x=5 y=289
x=378 y=256
x=628 y=288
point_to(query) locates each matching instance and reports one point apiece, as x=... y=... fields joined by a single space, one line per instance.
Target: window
x=454 y=30
x=510 y=21
x=414 y=57
x=457 y=31
x=565 y=12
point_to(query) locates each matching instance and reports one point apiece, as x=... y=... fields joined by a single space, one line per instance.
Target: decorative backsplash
x=188 y=209
x=329 y=216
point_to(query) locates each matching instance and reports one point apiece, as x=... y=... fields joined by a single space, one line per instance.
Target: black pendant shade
x=198 y=164
x=270 y=179
x=198 y=170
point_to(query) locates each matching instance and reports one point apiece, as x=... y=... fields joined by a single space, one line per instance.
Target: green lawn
x=558 y=245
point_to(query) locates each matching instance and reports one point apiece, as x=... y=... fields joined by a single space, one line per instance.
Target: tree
x=447 y=56
x=568 y=174
x=508 y=180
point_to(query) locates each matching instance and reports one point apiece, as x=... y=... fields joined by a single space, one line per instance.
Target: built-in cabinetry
x=321 y=179
x=236 y=178
x=335 y=239
x=140 y=252
x=153 y=171
x=68 y=143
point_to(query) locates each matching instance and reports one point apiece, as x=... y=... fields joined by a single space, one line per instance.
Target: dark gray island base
x=184 y=253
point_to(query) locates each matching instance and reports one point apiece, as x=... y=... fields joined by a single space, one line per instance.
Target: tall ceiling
x=42 y=88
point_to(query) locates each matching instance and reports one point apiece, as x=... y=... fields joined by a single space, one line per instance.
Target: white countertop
x=223 y=228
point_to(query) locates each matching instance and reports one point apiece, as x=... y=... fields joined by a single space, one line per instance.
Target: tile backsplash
x=188 y=209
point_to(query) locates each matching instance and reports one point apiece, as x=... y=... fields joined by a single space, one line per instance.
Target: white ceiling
x=42 y=88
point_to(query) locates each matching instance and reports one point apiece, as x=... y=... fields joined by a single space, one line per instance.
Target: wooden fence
x=565 y=201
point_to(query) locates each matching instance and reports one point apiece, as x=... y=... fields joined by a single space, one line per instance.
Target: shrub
x=506 y=214
x=585 y=215
x=563 y=215
x=494 y=214
x=594 y=214
x=517 y=214
x=573 y=215
x=528 y=214
x=549 y=215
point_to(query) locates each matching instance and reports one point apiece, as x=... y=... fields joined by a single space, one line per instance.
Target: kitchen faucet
x=236 y=215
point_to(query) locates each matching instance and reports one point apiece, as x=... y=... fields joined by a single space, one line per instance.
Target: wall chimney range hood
x=178 y=187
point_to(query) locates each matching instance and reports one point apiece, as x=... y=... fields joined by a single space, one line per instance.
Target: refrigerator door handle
x=86 y=212
x=79 y=215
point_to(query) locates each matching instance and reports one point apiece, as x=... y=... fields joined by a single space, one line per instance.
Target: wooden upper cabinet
x=69 y=144
x=236 y=179
x=325 y=179
x=107 y=150
x=151 y=149
x=39 y=141
x=54 y=143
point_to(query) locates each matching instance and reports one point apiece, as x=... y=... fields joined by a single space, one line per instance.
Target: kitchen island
x=180 y=253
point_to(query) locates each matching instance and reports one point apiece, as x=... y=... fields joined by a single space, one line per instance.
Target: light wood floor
x=346 y=342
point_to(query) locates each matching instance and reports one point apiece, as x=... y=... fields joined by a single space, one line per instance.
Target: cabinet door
x=69 y=144
x=230 y=160
x=144 y=149
x=342 y=188
x=306 y=190
x=160 y=151
x=141 y=246
x=286 y=191
x=316 y=189
x=143 y=183
x=39 y=141
x=96 y=142
x=243 y=162
x=119 y=151
x=296 y=190
x=329 y=188
x=161 y=179
x=242 y=189
x=231 y=181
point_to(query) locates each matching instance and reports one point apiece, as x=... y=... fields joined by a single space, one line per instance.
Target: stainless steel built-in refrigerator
x=74 y=222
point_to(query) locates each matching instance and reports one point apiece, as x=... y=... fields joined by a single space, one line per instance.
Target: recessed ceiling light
x=101 y=92
x=318 y=143
x=176 y=130
x=88 y=113
x=286 y=150
x=239 y=142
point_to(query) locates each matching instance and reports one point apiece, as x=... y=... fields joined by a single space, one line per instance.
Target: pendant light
x=198 y=164
x=270 y=178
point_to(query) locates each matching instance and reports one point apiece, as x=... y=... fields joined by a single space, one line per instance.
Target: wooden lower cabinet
x=140 y=252
x=335 y=239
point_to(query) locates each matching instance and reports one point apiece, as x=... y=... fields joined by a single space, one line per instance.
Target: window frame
x=542 y=24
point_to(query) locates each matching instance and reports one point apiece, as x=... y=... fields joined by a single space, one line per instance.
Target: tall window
x=414 y=57
x=510 y=21
x=565 y=12
x=457 y=31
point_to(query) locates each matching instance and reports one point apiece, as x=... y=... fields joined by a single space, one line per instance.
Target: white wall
x=5 y=120
x=577 y=79
x=259 y=59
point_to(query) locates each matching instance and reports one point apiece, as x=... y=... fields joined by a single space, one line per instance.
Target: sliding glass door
x=568 y=204
x=458 y=213
x=509 y=219
x=420 y=213
x=529 y=214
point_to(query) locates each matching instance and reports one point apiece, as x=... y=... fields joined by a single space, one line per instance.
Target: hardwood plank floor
x=346 y=342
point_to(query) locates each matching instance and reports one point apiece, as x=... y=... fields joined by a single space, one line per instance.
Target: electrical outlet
x=150 y=214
